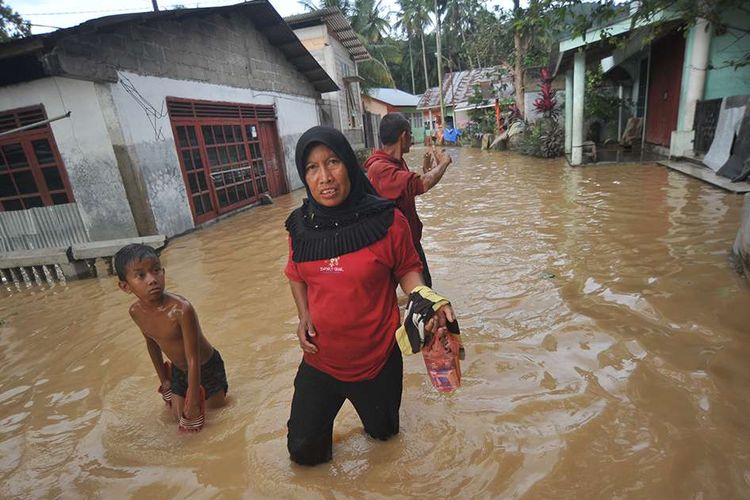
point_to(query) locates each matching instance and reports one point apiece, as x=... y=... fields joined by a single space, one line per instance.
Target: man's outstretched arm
x=429 y=179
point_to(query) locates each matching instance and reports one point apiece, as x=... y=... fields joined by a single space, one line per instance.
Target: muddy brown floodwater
x=607 y=355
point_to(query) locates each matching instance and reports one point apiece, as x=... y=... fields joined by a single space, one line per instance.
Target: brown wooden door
x=663 y=104
x=273 y=159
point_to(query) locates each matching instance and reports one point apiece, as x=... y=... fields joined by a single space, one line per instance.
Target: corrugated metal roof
x=394 y=97
x=337 y=25
x=264 y=17
x=459 y=86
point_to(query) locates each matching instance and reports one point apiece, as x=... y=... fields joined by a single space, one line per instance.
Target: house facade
x=329 y=37
x=378 y=102
x=155 y=122
x=665 y=71
x=459 y=88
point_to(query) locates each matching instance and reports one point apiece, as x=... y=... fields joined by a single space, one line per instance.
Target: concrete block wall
x=214 y=49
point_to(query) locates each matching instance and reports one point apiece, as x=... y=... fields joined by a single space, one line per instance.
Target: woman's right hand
x=305 y=335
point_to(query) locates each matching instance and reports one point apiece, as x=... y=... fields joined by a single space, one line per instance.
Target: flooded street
x=607 y=349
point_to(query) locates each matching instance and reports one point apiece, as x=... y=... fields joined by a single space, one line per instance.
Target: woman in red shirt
x=348 y=250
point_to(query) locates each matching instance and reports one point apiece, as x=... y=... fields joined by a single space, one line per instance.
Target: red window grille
x=220 y=153
x=32 y=173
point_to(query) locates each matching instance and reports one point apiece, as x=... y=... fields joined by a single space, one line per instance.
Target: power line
x=26 y=14
x=143 y=9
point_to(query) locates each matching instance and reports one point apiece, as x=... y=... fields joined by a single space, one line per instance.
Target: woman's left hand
x=437 y=324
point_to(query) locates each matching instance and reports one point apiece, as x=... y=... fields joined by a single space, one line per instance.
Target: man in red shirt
x=393 y=180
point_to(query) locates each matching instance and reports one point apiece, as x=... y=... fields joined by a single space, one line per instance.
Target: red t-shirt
x=393 y=180
x=352 y=303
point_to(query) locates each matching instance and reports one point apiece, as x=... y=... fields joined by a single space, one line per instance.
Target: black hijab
x=320 y=232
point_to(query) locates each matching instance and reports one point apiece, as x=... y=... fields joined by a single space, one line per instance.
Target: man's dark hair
x=134 y=252
x=391 y=127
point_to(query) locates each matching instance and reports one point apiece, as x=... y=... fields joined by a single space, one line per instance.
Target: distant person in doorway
x=194 y=377
x=347 y=250
x=393 y=180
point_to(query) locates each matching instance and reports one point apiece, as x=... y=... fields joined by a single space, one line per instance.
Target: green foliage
x=581 y=16
x=362 y=155
x=12 y=25
x=370 y=20
x=600 y=103
x=543 y=138
x=312 y=5
x=375 y=75
x=473 y=131
x=482 y=119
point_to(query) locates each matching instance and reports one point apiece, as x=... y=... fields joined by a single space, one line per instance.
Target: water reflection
x=606 y=355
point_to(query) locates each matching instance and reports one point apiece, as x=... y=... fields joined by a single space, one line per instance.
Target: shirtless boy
x=170 y=326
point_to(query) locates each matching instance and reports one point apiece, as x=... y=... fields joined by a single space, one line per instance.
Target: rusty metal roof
x=262 y=14
x=337 y=25
x=459 y=86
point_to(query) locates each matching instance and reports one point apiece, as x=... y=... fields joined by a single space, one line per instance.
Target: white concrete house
x=329 y=37
x=153 y=123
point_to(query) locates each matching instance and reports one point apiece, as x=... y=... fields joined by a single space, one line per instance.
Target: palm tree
x=313 y=5
x=406 y=24
x=415 y=18
x=367 y=21
x=460 y=18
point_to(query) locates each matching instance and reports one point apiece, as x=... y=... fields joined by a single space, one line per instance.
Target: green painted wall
x=416 y=132
x=722 y=80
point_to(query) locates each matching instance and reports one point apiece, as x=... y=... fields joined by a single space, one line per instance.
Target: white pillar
x=697 y=71
x=619 y=113
x=568 y=111
x=693 y=83
x=579 y=73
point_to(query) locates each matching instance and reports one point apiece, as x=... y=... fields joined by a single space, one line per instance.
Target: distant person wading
x=392 y=179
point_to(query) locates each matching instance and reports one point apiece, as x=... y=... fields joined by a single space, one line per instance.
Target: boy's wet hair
x=391 y=127
x=134 y=252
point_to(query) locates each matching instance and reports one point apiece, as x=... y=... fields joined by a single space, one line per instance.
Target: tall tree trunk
x=440 y=63
x=411 y=67
x=424 y=60
x=468 y=55
x=518 y=67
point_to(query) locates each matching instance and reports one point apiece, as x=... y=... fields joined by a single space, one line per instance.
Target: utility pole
x=155 y=5
x=439 y=63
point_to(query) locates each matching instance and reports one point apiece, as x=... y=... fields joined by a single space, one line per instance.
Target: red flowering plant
x=546 y=103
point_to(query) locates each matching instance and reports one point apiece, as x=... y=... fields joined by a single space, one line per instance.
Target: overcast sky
x=46 y=15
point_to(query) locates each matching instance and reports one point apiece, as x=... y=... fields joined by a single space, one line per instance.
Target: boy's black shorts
x=213 y=377
x=318 y=397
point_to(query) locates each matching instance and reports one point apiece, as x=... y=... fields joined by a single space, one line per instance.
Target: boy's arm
x=154 y=351
x=190 y=340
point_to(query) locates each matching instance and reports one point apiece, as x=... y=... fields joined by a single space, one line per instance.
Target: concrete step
x=707 y=175
x=38 y=257
x=107 y=248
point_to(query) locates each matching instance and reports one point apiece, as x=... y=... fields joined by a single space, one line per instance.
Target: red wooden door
x=228 y=153
x=274 y=161
x=667 y=56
